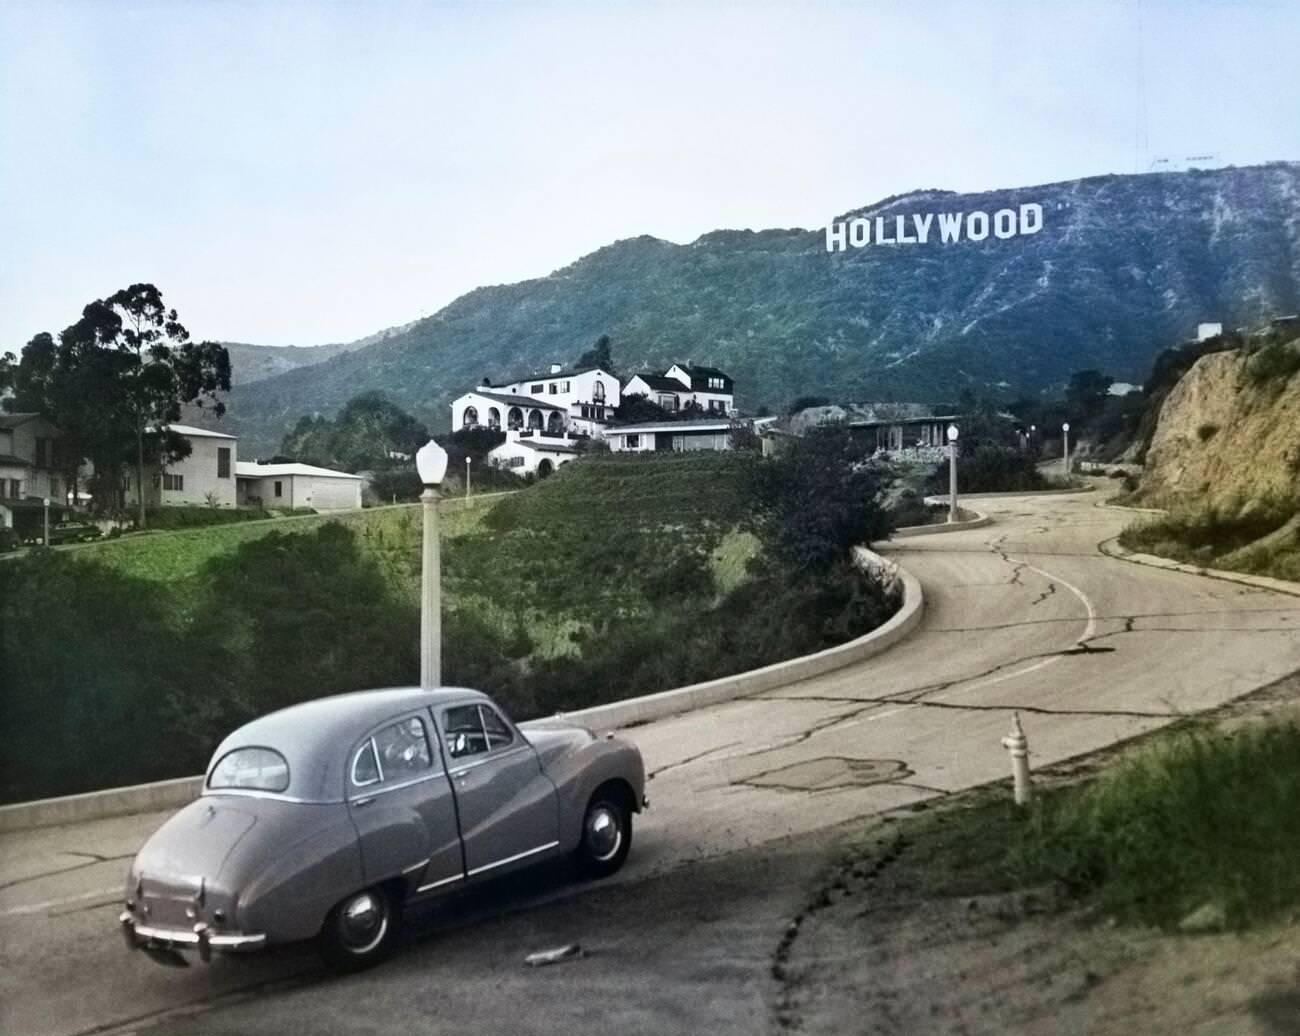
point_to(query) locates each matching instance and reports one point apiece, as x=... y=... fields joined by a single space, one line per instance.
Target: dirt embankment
x=1226 y=436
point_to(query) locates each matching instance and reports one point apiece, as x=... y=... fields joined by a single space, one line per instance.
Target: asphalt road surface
x=1024 y=614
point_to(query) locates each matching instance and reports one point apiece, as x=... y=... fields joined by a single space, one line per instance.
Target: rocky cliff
x=1229 y=431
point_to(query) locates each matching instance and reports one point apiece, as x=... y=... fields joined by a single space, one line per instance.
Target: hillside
x=249 y=363
x=1225 y=460
x=1225 y=436
x=1121 y=266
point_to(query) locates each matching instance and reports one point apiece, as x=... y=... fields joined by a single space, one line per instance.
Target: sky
x=302 y=173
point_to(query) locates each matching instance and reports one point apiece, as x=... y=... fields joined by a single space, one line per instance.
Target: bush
x=1206 y=819
x=1273 y=364
x=196 y=517
x=989 y=468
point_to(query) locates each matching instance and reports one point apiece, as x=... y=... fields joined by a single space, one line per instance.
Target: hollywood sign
x=946 y=227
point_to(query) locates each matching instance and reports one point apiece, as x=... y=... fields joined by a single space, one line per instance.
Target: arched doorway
x=494 y=418
x=535 y=420
x=553 y=424
x=515 y=418
x=470 y=418
x=544 y=467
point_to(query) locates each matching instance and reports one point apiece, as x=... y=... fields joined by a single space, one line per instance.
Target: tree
x=598 y=356
x=163 y=369
x=816 y=500
x=364 y=435
x=804 y=402
x=640 y=409
x=1085 y=396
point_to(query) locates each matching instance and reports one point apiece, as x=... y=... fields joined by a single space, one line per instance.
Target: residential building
x=680 y=385
x=292 y=486
x=205 y=477
x=533 y=455
x=29 y=475
x=906 y=430
x=557 y=403
x=670 y=435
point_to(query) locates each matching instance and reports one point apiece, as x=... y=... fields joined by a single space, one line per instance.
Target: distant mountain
x=249 y=363
x=1121 y=267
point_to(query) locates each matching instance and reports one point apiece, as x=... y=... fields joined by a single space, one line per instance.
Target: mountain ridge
x=1123 y=265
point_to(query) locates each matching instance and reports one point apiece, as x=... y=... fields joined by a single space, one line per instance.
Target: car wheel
x=606 y=836
x=361 y=930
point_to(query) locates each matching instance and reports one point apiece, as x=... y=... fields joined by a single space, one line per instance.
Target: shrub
x=986 y=467
x=195 y=516
x=1273 y=364
x=1205 y=819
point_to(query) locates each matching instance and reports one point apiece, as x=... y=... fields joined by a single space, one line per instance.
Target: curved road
x=1023 y=614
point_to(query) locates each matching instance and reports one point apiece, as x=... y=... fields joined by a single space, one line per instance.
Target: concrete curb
x=96 y=805
x=1106 y=505
x=1027 y=492
x=1112 y=549
x=160 y=795
x=908 y=531
x=755 y=681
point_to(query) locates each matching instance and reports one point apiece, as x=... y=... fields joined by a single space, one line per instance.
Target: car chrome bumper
x=200 y=938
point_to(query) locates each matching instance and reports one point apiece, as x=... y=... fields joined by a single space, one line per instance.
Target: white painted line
x=108 y=895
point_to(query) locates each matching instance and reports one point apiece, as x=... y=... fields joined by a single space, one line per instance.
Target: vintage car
x=326 y=819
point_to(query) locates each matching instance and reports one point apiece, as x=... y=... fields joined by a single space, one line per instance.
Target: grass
x=1199 y=820
x=1260 y=537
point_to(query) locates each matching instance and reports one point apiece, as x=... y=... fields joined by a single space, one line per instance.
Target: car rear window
x=259 y=769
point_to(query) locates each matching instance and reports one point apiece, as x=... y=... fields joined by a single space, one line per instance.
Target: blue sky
x=313 y=172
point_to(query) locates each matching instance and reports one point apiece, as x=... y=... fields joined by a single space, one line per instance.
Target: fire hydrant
x=1018 y=745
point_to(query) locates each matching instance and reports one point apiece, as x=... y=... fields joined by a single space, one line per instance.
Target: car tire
x=361 y=930
x=606 y=836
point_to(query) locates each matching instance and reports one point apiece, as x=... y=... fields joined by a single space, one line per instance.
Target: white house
x=28 y=475
x=682 y=384
x=297 y=485
x=578 y=401
x=206 y=476
x=532 y=455
x=670 y=435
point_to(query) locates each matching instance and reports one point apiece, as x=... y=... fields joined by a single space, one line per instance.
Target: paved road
x=1023 y=614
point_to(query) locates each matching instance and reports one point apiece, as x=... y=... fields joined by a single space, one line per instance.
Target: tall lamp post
x=46 y=540
x=952 y=473
x=431 y=462
x=467 y=462
x=1065 y=432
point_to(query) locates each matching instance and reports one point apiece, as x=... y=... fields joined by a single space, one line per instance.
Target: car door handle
x=358 y=803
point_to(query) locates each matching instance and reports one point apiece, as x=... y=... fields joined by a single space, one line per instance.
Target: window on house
x=42 y=453
x=279 y=490
x=536 y=389
x=716 y=383
x=552 y=389
x=515 y=462
x=633 y=442
x=173 y=483
x=54 y=488
x=567 y=387
x=223 y=462
x=598 y=391
x=15 y=489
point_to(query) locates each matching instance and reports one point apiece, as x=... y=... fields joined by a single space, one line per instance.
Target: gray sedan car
x=325 y=819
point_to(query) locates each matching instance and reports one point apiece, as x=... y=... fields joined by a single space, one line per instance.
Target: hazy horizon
x=310 y=173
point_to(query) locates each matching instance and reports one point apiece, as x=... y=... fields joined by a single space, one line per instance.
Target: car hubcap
x=363 y=921
x=604 y=833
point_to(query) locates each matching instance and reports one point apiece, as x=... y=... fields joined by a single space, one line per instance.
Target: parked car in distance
x=73 y=532
x=327 y=819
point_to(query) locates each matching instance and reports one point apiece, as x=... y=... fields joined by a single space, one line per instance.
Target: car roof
x=316 y=736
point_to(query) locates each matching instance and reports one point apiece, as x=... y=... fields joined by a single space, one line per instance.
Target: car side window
x=464 y=732
x=497 y=730
x=365 y=766
x=403 y=750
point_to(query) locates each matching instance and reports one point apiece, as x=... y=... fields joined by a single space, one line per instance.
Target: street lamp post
x=952 y=473
x=467 y=463
x=1065 y=432
x=46 y=540
x=431 y=461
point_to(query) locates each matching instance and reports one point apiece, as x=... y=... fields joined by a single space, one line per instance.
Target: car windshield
x=261 y=769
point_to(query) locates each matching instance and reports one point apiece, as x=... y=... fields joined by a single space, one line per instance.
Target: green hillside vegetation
x=616 y=576
x=1122 y=265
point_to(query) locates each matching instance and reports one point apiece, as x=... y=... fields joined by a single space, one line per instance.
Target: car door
x=509 y=812
x=401 y=803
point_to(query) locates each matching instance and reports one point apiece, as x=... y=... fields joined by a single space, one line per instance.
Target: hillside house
x=676 y=436
x=580 y=402
x=296 y=485
x=906 y=431
x=684 y=384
